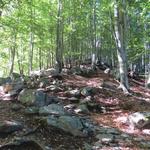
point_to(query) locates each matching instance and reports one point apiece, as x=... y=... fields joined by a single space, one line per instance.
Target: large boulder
x=70 y=124
x=52 y=109
x=32 y=97
x=27 y=96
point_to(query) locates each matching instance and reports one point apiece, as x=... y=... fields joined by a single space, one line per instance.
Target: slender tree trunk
x=147 y=55
x=120 y=43
x=40 y=59
x=58 y=64
x=12 y=54
x=13 y=49
x=31 y=44
x=31 y=52
x=19 y=54
x=94 y=52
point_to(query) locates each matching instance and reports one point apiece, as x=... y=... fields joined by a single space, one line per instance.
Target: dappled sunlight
x=108 y=106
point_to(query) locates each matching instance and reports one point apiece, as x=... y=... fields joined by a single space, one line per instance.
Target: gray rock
x=52 y=109
x=40 y=98
x=105 y=137
x=10 y=126
x=5 y=80
x=82 y=109
x=102 y=130
x=97 y=146
x=15 y=76
x=73 y=100
x=31 y=97
x=112 y=131
x=87 y=146
x=16 y=107
x=51 y=99
x=43 y=82
x=23 y=144
x=125 y=136
x=144 y=144
x=2 y=81
x=88 y=71
x=70 y=124
x=31 y=110
x=66 y=71
x=27 y=97
x=70 y=108
x=76 y=70
x=86 y=100
x=36 y=73
x=51 y=72
x=139 y=120
x=75 y=93
x=53 y=88
x=88 y=91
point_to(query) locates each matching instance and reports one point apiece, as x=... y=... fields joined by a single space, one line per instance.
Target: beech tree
x=120 y=39
x=46 y=31
x=59 y=38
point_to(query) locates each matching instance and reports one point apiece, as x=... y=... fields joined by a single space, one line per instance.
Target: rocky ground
x=74 y=112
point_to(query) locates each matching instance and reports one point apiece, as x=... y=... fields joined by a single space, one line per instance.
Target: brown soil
x=114 y=100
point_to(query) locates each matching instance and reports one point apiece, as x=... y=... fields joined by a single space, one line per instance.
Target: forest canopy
x=34 y=33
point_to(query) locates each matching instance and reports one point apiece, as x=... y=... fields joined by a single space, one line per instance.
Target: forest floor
x=118 y=106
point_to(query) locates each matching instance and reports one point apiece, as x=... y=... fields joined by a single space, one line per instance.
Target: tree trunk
x=31 y=40
x=12 y=54
x=31 y=52
x=40 y=59
x=120 y=43
x=59 y=63
x=12 y=60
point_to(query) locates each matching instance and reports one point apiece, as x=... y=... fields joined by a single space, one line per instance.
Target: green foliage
x=20 y=18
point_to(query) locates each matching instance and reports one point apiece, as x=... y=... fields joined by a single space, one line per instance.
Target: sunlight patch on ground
x=146 y=131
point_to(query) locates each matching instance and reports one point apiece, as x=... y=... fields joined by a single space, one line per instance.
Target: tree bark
x=120 y=43
x=59 y=42
x=12 y=53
